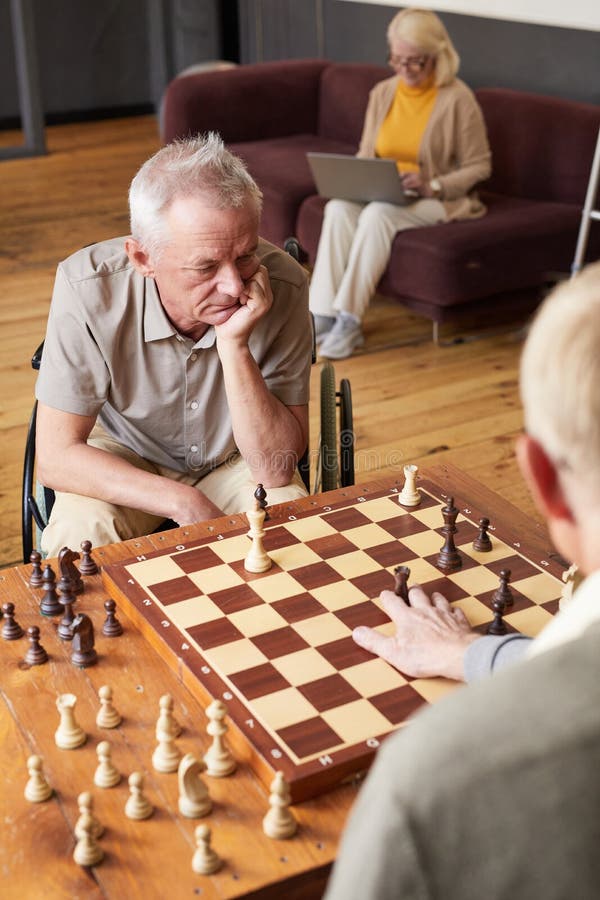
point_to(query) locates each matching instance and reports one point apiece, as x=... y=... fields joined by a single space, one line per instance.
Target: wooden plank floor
x=413 y=401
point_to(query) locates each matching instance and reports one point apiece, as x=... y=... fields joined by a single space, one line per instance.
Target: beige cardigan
x=454 y=147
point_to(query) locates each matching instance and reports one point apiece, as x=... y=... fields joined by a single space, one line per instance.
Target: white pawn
x=205 y=861
x=279 y=822
x=194 y=801
x=69 y=734
x=257 y=559
x=138 y=806
x=106 y=774
x=88 y=851
x=166 y=755
x=85 y=802
x=410 y=495
x=167 y=722
x=107 y=717
x=218 y=759
x=37 y=788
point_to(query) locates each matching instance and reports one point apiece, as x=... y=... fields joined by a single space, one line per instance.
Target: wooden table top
x=151 y=858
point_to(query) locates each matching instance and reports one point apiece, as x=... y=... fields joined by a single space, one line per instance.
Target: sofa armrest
x=248 y=103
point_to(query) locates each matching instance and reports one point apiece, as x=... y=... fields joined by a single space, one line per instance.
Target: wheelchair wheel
x=328 y=458
x=346 y=434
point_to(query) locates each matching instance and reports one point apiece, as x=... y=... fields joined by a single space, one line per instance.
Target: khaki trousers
x=354 y=250
x=75 y=518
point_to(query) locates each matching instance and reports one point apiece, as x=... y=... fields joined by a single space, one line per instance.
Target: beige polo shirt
x=110 y=351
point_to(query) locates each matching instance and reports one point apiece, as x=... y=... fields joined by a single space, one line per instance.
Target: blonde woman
x=429 y=121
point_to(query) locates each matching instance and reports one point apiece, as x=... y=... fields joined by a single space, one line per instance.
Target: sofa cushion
x=522 y=243
x=343 y=95
x=542 y=147
x=253 y=102
x=282 y=172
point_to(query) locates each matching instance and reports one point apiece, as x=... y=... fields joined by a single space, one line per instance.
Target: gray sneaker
x=323 y=325
x=343 y=339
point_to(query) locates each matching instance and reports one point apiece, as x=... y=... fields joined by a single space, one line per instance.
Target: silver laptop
x=354 y=178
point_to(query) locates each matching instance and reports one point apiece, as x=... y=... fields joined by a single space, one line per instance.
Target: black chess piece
x=36 y=655
x=503 y=592
x=497 y=625
x=50 y=605
x=83 y=653
x=112 y=627
x=261 y=495
x=483 y=542
x=11 y=630
x=401 y=576
x=68 y=569
x=449 y=559
x=67 y=599
x=87 y=566
x=35 y=579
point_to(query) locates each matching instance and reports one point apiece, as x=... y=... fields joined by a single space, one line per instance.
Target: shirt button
x=194 y=448
x=194 y=357
x=194 y=404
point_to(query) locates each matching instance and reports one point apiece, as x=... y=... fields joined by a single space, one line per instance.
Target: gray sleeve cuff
x=490 y=653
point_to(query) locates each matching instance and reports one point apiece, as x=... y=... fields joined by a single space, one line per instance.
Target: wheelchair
x=332 y=470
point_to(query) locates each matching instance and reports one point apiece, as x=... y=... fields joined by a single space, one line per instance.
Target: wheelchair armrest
x=36 y=359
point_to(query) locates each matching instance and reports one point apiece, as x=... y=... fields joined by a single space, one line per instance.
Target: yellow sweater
x=401 y=131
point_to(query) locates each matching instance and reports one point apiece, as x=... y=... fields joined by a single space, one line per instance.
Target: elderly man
x=176 y=362
x=495 y=791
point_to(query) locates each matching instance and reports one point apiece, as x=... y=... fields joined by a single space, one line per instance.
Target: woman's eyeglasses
x=410 y=63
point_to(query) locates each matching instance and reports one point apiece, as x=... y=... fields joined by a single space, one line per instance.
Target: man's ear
x=541 y=476
x=138 y=257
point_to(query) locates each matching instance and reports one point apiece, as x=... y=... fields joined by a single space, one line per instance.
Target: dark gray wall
x=543 y=59
x=103 y=54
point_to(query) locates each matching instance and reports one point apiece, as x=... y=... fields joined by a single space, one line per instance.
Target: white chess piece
x=37 y=788
x=88 y=851
x=106 y=775
x=85 y=802
x=138 y=806
x=69 y=734
x=107 y=717
x=166 y=755
x=410 y=495
x=257 y=559
x=279 y=823
x=166 y=721
x=218 y=759
x=205 y=861
x=194 y=801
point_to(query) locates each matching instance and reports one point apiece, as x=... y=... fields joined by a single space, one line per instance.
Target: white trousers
x=75 y=518
x=354 y=250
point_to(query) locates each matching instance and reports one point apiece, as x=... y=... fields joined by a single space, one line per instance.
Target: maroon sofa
x=542 y=150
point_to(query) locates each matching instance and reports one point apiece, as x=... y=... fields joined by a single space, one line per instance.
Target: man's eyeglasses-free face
x=410 y=63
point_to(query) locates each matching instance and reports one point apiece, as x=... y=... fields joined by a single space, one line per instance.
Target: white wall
x=563 y=13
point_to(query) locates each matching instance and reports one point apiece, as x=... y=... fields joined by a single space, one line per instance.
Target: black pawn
x=401 y=576
x=112 y=627
x=87 y=566
x=449 y=559
x=36 y=655
x=483 y=541
x=50 y=605
x=11 y=630
x=497 y=626
x=35 y=579
x=504 y=593
x=261 y=495
x=67 y=599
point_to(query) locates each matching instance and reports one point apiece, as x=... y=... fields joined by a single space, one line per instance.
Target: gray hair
x=426 y=31
x=560 y=376
x=200 y=165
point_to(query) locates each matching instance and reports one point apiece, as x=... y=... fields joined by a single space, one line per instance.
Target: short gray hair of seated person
x=426 y=31
x=201 y=166
x=560 y=377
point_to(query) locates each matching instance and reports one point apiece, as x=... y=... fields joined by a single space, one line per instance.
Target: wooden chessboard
x=277 y=647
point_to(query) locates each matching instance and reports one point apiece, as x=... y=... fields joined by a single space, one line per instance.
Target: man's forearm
x=267 y=434
x=92 y=472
